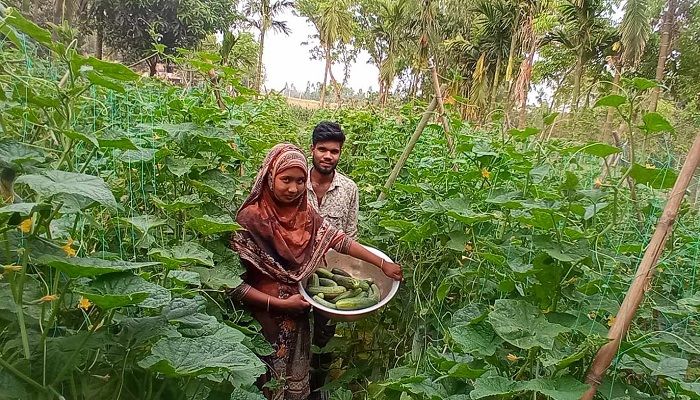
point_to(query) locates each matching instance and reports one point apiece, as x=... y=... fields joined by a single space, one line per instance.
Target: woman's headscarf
x=283 y=241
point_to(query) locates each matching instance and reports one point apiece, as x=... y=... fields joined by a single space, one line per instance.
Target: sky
x=286 y=60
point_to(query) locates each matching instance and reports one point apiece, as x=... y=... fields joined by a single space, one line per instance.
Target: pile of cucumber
x=338 y=290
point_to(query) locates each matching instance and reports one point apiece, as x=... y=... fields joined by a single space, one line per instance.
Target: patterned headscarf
x=283 y=241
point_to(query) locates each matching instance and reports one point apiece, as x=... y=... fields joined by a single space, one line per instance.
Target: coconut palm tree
x=334 y=24
x=262 y=14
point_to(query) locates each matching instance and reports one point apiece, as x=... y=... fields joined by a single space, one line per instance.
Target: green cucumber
x=350 y=283
x=314 y=280
x=328 y=291
x=374 y=293
x=339 y=271
x=326 y=282
x=364 y=285
x=355 y=303
x=323 y=302
x=348 y=294
x=324 y=273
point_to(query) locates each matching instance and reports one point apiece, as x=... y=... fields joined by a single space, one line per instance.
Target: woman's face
x=289 y=185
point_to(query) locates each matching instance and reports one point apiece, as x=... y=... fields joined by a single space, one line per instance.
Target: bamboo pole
x=441 y=109
x=645 y=271
x=409 y=147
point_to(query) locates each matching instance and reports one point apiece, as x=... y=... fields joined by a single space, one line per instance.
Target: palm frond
x=635 y=30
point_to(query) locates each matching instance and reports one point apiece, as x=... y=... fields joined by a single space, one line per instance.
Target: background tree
x=262 y=15
x=334 y=25
x=131 y=28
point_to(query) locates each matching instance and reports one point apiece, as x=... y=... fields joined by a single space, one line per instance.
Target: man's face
x=325 y=156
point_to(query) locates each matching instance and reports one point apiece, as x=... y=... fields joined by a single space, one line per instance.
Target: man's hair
x=327 y=131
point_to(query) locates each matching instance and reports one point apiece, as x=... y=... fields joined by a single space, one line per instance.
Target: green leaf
x=77 y=266
x=549 y=118
x=210 y=225
x=119 y=290
x=469 y=314
x=83 y=137
x=111 y=69
x=671 y=367
x=186 y=277
x=222 y=276
x=539 y=173
x=144 y=223
x=14 y=155
x=177 y=357
x=245 y=394
x=216 y=183
x=655 y=122
x=601 y=150
x=479 y=340
x=180 y=166
x=179 y=204
x=494 y=386
x=13 y=388
x=564 y=388
x=523 y=134
x=657 y=178
x=396 y=226
x=593 y=209
x=188 y=252
x=55 y=182
x=23 y=209
x=458 y=241
x=99 y=80
x=138 y=156
x=611 y=100
x=16 y=20
x=523 y=325
x=115 y=140
x=643 y=83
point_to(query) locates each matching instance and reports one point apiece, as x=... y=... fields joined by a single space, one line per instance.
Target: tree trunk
x=664 y=47
x=58 y=10
x=511 y=52
x=99 y=39
x=152 y=64
x=578 y=74
x=496 y=75
x=258 y=75
x=325 y=74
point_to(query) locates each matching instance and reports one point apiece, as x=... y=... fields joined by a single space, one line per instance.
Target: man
x=336 y=198
x=333 y=194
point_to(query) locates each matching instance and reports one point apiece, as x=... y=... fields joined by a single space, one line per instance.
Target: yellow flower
x=11 y=268
x=84 y=304
x=512 y=357
x=70 y=252
x=222 y=168
x=468 y=247
x=592 y=315
x=26 y=225
x=598 y=183
x=48 y=298
x=486 y=173
x=611 y=320
x=650 y=166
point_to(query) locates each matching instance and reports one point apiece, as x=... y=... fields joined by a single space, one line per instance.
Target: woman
x=283 y=242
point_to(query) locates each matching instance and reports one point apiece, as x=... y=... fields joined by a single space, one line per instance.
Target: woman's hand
x=393 y=271
x=294 y=305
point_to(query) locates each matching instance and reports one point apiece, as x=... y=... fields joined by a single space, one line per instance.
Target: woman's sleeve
x=239 y=292
x=342 y=243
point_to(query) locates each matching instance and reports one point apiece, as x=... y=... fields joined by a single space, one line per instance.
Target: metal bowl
x=361 y=270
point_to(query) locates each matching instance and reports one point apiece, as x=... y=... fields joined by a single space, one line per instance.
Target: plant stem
x=87 y=161
x=19 y=294
x=20 y=375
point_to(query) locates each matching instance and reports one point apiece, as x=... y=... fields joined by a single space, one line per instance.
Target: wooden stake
x=441 y=109
x=409 y=147
x=645 y=271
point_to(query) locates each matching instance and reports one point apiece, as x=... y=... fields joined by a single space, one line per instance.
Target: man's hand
x=393 y=271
